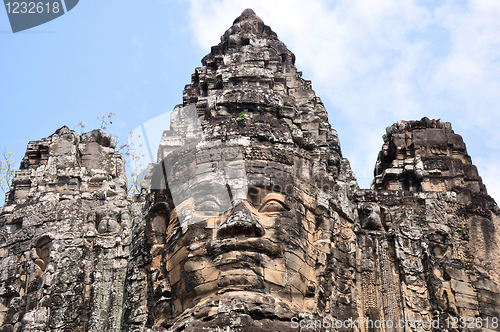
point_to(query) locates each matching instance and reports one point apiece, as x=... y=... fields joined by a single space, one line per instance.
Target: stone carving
x=64 y=243
x=247 y=203
x=251 y=220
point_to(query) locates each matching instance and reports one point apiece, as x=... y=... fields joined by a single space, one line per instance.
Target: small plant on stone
x=241 y=117
x=106 y=120
x=6 y=171
x=133 y=162
x=130 y=154
x=82 y=125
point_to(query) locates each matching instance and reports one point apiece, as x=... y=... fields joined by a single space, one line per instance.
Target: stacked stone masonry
x=251 y=220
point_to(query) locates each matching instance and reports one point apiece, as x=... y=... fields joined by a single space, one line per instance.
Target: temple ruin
x=251 y=219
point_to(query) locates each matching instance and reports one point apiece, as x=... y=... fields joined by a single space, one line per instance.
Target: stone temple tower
x=251 y=219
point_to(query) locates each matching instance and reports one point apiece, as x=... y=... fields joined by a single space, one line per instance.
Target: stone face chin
x=251 y=219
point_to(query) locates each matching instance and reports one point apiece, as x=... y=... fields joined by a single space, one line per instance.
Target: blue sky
x=372 y=63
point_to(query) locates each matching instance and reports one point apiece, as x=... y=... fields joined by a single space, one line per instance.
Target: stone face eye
x=273 y=206
x=208 y=208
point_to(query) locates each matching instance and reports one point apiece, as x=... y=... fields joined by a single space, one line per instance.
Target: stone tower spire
x=425 y=155
x=250 y=130
x=251 y=76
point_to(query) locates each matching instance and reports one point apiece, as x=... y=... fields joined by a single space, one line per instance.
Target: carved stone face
x=243 y=225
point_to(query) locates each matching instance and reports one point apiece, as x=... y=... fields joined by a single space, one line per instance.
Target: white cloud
x=489 y=170
x=376 y=62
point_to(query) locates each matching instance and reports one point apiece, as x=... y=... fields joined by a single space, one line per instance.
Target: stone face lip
x=251 y=220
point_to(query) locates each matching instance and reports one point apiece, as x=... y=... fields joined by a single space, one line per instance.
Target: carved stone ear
x=100 y=222
x=156 y=224
x=95 y=218
x=43 y=247
x=322 y=202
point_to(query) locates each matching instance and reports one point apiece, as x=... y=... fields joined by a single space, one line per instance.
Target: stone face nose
x=240 y=222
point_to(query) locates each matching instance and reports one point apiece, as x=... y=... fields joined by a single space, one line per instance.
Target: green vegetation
x=6 y=171
x=133 y=163
x=241 y=117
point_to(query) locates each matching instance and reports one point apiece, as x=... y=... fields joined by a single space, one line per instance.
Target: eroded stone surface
x=251 y=220
x=65 y=233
